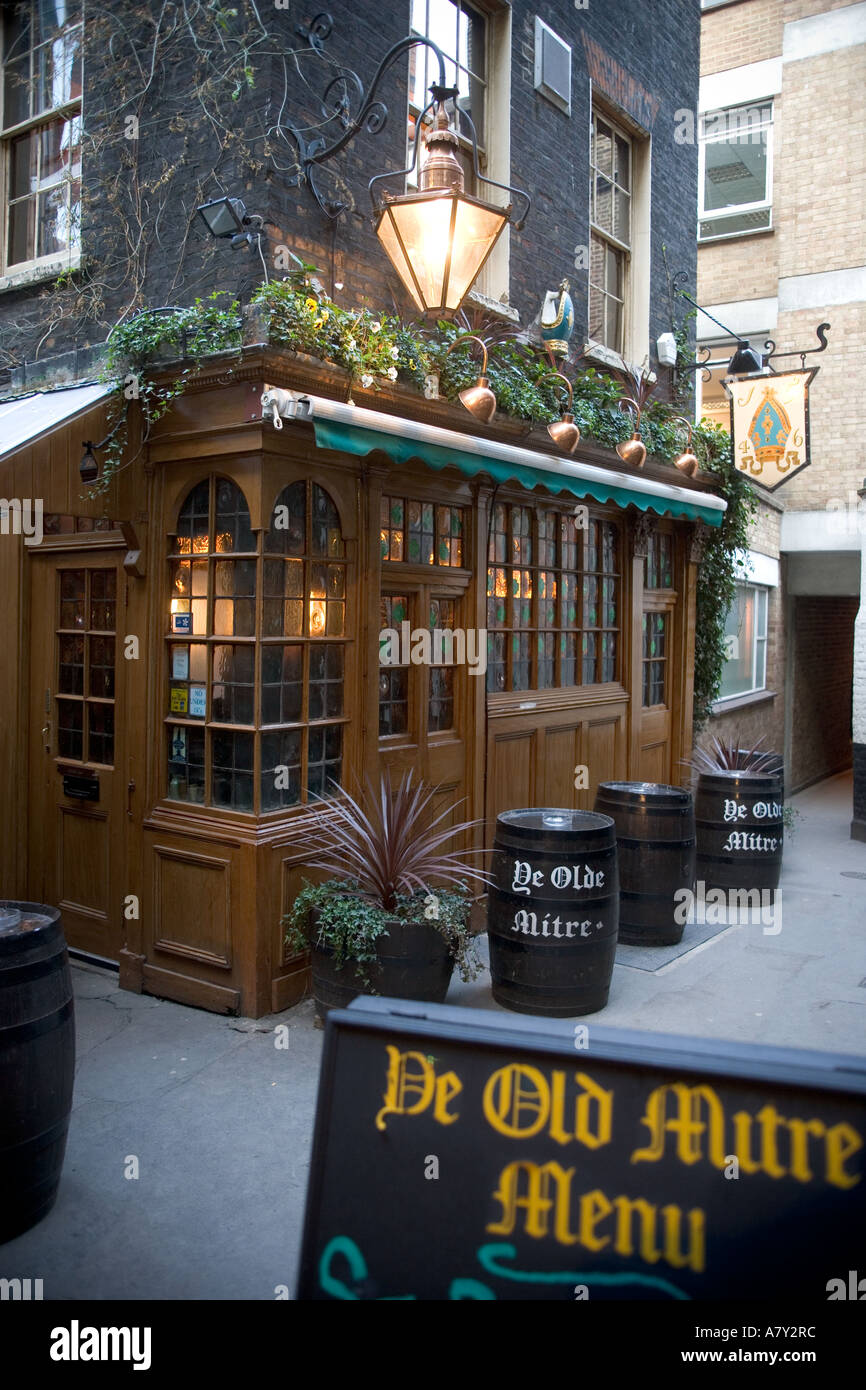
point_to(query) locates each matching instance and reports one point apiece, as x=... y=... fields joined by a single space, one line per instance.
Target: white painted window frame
x=734 y=209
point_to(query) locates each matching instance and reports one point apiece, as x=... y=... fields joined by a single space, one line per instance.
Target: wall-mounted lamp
x=666 y=347
x=479 y=400
x=228 y=218
x=437 y=238
x=564 y=431
x=88 y=468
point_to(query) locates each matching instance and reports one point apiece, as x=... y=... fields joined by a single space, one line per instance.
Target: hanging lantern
x=439 y=238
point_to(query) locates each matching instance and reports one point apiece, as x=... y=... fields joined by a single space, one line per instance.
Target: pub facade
x=194 y=654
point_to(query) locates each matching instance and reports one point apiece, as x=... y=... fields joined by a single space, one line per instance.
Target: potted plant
x=393 y=916
x=739 y=816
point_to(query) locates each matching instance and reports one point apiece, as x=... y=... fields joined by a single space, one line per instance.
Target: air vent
x=552 y=66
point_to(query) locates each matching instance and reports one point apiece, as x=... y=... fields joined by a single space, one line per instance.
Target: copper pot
x=632 y=451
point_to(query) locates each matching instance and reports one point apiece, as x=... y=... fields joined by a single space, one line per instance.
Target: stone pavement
x=220 y=1119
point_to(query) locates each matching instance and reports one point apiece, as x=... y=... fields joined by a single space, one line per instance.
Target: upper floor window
x=553 y=595
x=610 y=232
x=255 y=709
x=40 y=131
x=461 y=32
x=735 y=187
x=422 y=533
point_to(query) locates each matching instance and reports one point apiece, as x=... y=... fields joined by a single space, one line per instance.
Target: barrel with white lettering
x=552 y=911
x=738 y=817
x=655 y=836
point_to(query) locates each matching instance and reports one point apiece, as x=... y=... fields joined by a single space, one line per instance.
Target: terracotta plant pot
x=414 y=962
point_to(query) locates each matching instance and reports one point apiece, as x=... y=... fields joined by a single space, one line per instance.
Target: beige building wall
x=810 y=268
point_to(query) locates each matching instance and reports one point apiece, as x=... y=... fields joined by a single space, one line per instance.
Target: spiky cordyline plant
x=636 y=389
x=726 y=755
x=387 y=844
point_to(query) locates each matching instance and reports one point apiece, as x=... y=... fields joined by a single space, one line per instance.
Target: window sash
x=763 y=128
x=752 y=602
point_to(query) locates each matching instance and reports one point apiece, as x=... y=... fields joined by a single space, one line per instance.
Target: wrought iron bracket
x=339 y=126
x=770 y=349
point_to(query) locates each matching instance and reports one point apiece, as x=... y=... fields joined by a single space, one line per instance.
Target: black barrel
x=655 y=838
x=738 y=817
x=37 y=1062
x=552 y=911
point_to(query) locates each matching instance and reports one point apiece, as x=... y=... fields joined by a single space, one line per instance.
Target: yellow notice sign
x=770 y=425
x=179 y=699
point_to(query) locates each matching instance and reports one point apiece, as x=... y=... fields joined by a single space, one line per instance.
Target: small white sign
x=180 y=663
x=198 y=701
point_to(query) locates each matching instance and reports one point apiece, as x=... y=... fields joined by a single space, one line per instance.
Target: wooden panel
x=604 y=745
x=654 y=763
x=510 y=782
x=556 y=783
x=82 y=860
x=202 y=994
x=192 y=905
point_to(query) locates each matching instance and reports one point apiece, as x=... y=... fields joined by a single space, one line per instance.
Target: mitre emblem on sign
x=770 y=429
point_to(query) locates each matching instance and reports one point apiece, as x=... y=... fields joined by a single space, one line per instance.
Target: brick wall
x=644 y=59
x=738 y=34
x=823 y=634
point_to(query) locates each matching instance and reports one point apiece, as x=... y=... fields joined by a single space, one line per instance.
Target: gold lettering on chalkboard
x=756 y=1138
x=542 y=1194
x=518 y=1102
x=412 y=1076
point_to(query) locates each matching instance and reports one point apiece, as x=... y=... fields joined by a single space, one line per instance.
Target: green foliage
x=716 y=583
x=337 y=915
x=208 y=326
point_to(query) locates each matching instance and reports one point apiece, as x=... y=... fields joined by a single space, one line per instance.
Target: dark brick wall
x=642 y=58
x=823 y=673
x=858 y=826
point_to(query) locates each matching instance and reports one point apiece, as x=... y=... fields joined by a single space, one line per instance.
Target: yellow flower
x=312 y=305
x=325 y=316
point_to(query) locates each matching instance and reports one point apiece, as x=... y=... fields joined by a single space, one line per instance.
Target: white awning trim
x=346 y=414
x=28 y=417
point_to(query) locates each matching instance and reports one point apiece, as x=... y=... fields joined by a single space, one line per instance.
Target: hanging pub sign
x=770 y=425
x=460 y=1157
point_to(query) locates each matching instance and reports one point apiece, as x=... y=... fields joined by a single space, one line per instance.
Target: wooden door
x=657 y=687
x=77 y=788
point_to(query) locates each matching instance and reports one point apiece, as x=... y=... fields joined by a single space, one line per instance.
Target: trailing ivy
x=716 y=581
x=183 y=334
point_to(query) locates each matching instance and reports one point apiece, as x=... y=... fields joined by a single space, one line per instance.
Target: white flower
x=375 y=326
x=395 y=353
x=350 y=344
x=366 y=379
x=392 y=372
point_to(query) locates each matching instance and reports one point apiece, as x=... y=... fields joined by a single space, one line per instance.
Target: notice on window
x=181 y=622
x=179 y=699
x=198 y=701
x=180 y=663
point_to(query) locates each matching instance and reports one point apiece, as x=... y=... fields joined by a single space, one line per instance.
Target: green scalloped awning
x=360 y=440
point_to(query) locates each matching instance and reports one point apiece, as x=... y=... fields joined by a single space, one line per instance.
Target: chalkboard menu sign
x=457 y=1157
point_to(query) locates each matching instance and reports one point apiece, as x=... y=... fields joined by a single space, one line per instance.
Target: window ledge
x=734 y=236
x=35 y=274
x=497 y=308
x=755 y=697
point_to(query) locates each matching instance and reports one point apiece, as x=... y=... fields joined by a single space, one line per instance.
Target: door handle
x=46 y=737
x=130 y=788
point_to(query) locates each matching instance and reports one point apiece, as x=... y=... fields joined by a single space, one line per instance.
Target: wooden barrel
x=552 y=911
x=655 y=839
x=738 y=817
x=37 y=1062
